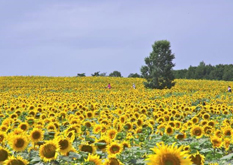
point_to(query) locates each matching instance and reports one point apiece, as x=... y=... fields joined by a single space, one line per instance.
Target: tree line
x=104 y=74
x=208 y=72
x=159 y=74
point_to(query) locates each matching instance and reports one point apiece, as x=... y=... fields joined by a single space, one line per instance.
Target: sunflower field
x=77 y=120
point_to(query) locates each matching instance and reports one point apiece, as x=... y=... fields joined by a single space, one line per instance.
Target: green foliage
x=158 y=68
x=81 y=75
x=96 y=74
x=115 y=74
x=208 y=72
x=134 y=75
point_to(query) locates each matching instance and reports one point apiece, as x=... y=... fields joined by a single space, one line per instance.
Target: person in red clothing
x=109 y=86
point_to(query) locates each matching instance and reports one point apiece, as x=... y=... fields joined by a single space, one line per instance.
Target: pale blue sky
x=66 y=37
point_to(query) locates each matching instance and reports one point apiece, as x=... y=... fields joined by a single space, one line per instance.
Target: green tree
x=115 y=74
x=158 y=69
x=228 y=70
x=200 y=72
x=134 y=75
x=96 y=74
x=104 y=74
x=81 y=75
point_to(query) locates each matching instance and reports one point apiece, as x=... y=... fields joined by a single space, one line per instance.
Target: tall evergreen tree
x=158 y=69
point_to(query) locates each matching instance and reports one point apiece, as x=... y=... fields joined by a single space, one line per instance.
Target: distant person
x=109 y=86
x=134 y=86
x=229 y=89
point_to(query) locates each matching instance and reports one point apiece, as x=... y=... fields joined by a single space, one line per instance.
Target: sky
x=66 y=37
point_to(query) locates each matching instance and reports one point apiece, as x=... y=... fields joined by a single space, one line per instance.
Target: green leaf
x=35 y=159
x=227 y=157
x=75 y=155
x=206 y=150
x=100 y=144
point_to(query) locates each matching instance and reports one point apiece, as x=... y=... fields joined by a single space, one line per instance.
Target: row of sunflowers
x=78 y=120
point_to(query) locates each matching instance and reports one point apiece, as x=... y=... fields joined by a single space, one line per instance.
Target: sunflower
x=74 y=127
x=195 y=120
x=4 y=154
x=87 y=148
x=169 y=130
x=70 y=135
x=197 y=158
x=94 y=159
x=19 y=142
x=128 y=126
x=218 y=133
x=51 y=127
x=197 y=131
x=16 y=161
x=164 y=154
x=24 y=126
x=48 y=151
x=181 y=136
x=126 y=144
x=206 y=116
x=204 y=122
x=186 y=148
x=114 y=148
x=112 y=160
x=4 y=128
x=89 y=114
x=2 y=137
x=227 y=131
x=177 y=125
x=212 y=123
x=139 y=122
x=226 y=143
x=97 y=128
x=64 y=145
x=111 y=133
x=216 y=142
x=36 y=135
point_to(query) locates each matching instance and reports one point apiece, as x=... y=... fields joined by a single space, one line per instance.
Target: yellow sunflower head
x=19 y=142
x=197 y=131
x=97 y=129
x=36 y=135
x=169 y=130
x=64 y=145
x=114 y=148
x=227 y=131
x=16 y=161
x=111 y=133
x=87 y=148
x=197 y=158
x=226 y=143
x=216 y=142
x=94 y=159
x=112 y=160
x=4 y=154
x=181 y=136
x=24 y=126
x=164 y=154
x=3 y=136
x=126 y=144
x=48 y=151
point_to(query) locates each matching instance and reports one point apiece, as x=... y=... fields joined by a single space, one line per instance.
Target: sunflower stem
x=214 y=152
